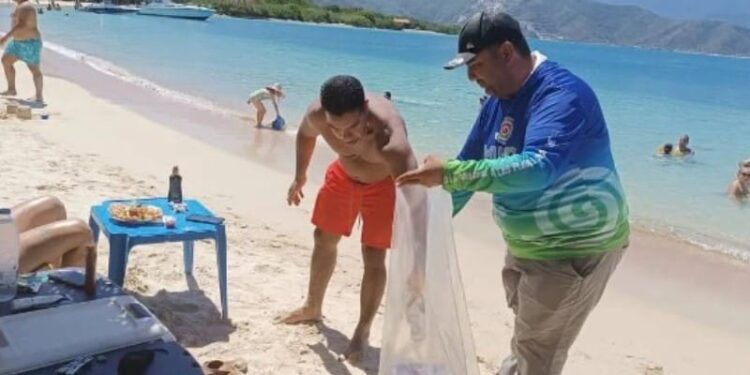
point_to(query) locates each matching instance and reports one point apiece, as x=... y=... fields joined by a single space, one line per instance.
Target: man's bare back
x=24 y=16
x=363 y=159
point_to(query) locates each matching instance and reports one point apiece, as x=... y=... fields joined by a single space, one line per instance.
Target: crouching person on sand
x=369 y=136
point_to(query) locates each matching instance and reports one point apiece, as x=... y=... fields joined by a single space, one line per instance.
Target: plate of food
x=135 y=213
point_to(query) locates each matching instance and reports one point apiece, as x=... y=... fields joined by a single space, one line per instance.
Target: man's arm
x=395 y=148
x=473 y=150
x=275 y=104
x=24 y=12
x=555 y=129
x=305 y=145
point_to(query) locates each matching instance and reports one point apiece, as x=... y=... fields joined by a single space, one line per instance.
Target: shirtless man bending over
x=369 y=136
x=26 y=45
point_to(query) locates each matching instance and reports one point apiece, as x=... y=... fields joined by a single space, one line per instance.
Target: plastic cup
x=169 y=221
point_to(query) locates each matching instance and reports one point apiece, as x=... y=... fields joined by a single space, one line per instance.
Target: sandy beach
x=671 y=308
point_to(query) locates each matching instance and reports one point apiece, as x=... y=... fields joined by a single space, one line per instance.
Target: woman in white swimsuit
x=273 y=93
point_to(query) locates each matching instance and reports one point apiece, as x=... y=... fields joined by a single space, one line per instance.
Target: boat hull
x=109 y=10
x=192 y=14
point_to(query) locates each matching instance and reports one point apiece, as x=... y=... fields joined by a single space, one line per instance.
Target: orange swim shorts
x=341 y=200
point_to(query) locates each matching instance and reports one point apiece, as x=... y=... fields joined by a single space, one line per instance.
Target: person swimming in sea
x=739 y=189
x=682 y=149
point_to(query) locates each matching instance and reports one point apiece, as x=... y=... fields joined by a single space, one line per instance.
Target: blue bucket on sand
x=278 y=123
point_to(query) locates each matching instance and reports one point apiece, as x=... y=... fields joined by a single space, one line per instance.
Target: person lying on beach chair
x=48 y=237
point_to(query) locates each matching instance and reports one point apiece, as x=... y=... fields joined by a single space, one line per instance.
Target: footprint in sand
x=266 y=268
x=652 y=369
x=577 y=353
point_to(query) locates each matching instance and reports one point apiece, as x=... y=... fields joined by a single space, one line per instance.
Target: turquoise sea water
x=649 y=97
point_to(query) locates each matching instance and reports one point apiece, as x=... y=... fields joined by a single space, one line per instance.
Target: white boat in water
x=107 y=7
x=166 y=8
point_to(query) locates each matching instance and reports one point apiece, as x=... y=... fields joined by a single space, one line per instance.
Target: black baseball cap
x=481 y=31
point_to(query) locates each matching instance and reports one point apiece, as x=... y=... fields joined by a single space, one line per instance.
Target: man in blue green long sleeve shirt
x=540 y=145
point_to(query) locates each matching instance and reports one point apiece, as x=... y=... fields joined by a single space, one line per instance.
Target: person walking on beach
x=739 y=189
x=274 y=93
x=24 y=42
x=369 y=136
x=540 y=145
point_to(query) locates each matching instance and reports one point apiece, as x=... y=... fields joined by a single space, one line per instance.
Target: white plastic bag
x=426 y=329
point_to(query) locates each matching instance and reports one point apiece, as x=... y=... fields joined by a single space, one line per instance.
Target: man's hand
x=429 y=174
x=295 y=195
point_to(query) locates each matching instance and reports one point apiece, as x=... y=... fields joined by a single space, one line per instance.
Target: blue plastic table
x=123 y=237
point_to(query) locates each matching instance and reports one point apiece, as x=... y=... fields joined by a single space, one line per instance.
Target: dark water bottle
x=175 y=186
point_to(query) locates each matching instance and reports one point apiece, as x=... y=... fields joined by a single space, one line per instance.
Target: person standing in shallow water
x=24 y=43
x=739 y=189
x=682 y=146
x=274 y=93
x=369 y=136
